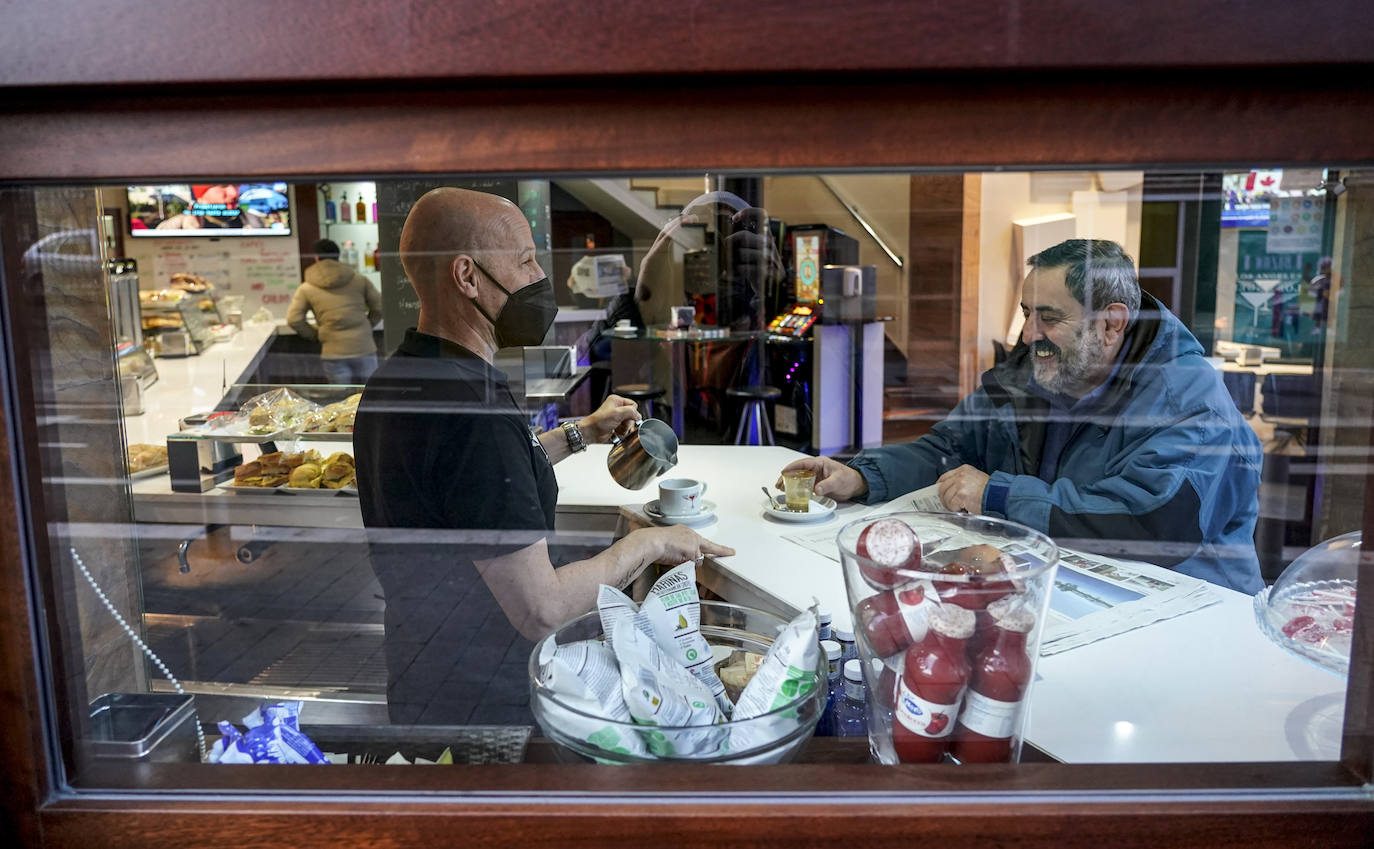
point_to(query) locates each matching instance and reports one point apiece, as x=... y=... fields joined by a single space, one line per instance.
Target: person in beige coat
x=346 y=307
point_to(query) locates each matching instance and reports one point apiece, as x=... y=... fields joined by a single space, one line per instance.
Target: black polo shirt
x=448 y=473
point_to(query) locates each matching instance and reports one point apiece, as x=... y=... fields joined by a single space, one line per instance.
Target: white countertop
x=1203 y=687
x=733 y=475
x=196 y=384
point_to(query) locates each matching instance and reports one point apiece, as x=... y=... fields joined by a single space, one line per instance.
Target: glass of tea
x=797 y=486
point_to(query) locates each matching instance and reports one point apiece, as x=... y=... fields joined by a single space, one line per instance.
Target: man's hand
x=611 y=417
x=961 y=490
x=678 y=544
x=833 y=478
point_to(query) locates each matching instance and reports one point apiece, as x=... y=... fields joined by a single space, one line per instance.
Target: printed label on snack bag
x=924 y=717
x=989 y=717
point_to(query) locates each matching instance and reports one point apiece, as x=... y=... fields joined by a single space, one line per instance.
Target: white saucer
x=707 y=513
x=821 y=508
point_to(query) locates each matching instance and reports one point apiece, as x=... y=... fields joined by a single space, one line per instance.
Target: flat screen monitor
x=227 y=209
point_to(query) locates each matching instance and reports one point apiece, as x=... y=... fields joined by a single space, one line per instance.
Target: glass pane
x=363 y=446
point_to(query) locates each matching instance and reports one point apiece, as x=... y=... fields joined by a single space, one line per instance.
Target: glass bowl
x=969 y=561
x=776 y=737
x=1310 y=609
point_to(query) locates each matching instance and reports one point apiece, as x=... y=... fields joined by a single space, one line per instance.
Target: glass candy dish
x=1310 y=609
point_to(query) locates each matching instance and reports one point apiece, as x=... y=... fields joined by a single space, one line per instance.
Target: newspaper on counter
x=1097 y=597
x=822 y=542
x=1094 y=597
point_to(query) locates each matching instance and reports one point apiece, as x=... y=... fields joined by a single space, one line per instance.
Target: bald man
x=457 y=492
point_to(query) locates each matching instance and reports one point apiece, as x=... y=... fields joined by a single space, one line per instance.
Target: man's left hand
x=611 y=417
x=962 y=489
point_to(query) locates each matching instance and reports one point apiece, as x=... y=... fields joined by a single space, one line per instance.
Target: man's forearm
x=555 y=444
x=578 y=582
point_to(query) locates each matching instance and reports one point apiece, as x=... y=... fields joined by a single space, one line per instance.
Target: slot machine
x=792 y=334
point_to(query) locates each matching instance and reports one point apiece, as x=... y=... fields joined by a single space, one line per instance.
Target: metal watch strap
x=574 y=434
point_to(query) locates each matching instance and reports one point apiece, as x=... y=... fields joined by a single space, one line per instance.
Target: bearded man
x=1105 y=428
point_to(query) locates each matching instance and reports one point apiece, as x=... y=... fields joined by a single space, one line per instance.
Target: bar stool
x=754 y=414
x=643 y=394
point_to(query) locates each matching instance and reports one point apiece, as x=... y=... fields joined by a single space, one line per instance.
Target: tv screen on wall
x=226 y=209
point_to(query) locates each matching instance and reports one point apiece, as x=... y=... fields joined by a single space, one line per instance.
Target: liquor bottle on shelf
x=374 y=211
x=345 y=211
x=850 y=720
x=360 y=211
x=1001 y=674
x=934 y=677
x=329 y=212
x=347 y=255
x=369 y=257
x=376 y=251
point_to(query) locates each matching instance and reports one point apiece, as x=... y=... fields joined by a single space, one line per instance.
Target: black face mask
x=526 y=316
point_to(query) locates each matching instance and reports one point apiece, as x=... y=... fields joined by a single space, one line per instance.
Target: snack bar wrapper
x=788 y=671
x=586 y=676
x=659 y=692
x=671 y=615
x=273 y=737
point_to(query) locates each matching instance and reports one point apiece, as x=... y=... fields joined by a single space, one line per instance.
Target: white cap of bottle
x=843 y=634
x=853 y=670
x=833 y=650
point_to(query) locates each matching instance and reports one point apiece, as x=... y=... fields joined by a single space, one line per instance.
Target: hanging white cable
x=200 y=733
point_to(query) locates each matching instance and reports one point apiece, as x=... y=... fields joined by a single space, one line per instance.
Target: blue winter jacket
x=1163 y=469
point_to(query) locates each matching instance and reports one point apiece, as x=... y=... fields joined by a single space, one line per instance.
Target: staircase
x=639 y=207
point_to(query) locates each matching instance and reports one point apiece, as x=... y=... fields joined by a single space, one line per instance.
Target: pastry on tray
x=306 y=476
x=143 y=456
x=339 y=471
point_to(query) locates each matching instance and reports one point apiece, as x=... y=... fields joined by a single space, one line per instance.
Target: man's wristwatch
x=574 y=434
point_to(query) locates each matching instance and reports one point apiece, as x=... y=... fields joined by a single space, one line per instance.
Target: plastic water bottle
x=850 y=719
x=845 y=638
x=834 y=687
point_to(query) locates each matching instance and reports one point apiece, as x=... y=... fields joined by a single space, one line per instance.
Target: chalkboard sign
x=400 y=306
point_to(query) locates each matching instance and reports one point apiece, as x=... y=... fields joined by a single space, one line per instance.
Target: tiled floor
x=303 y=615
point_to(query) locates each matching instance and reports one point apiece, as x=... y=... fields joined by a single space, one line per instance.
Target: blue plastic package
x=273 y=737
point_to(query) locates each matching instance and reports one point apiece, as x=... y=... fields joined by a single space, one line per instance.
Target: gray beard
x=1079 y=369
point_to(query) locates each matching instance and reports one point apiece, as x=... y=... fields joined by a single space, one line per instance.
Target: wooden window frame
x=896 y=88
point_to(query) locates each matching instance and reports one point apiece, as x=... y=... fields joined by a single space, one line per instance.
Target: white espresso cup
x=680 y=496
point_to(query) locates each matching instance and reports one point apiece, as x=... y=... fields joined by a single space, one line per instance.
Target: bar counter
x=1203 y=687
